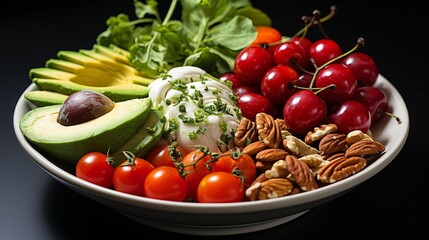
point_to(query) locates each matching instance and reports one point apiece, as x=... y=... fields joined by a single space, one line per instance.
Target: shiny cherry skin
x=351 y=115
x=323 y=50
x=276 y=83
x=375 y=99
x=363 y=66
x=304 y=80
x=303 y=111
x=254 y=103
x=231 y=77
x=291 y=54
x=344 y=80
x=238 y=91
x=302 y=41
x=252 y=63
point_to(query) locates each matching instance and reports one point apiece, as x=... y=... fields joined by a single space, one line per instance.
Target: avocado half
x=106 y=133
x=144 y=140
x=102 y=69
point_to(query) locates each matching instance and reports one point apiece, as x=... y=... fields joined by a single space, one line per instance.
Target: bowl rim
x=394 y=147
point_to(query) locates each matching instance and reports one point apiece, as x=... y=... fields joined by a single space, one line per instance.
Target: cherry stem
x=359 y=43
x=391 y=115
x=309 y=21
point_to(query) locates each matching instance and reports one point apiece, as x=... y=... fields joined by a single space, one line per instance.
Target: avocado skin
x=105 y=137
x=144 y=140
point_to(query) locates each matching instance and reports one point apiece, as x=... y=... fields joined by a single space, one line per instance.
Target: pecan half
x=340 y=168
x=271 y=155
x=254 y=148
x=245 y=133
x=278 y=169
x=320 y=132
x=355 y=136
x=364 y=148
x=333 y=143
x=298 y=147
x=301 y=173
x=271 y=188
x=269 y=130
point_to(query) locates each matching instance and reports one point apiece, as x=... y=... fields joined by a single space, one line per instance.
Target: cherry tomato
x=240 y=164
x=165 y=183
x=195 y=169
x=266 y=34
x=220 y=187
x=160 y=156
x=97 y=168
x=129 y=176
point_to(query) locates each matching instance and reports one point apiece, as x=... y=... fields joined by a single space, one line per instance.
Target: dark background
x=33 y=205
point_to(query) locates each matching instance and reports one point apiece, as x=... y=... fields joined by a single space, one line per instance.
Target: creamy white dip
x=200 y=109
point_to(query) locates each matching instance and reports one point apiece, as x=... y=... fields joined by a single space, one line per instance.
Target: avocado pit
x=83 y=106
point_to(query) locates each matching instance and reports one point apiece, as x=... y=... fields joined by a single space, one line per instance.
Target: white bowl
x=226 y=218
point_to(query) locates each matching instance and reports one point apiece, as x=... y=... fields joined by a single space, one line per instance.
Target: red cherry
x=253 y=103
x=302 y=41
x=374 y=98
x=238 y=91
x=231 y=77
x=323 y=50
x=351 y=115
x=363 y=66
x=252 y=63
x=303 y=111
x=291 y=54
x=275 y=83
x=343 y=79
x=304 y=80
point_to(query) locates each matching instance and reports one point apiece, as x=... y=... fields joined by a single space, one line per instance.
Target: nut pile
x=290 y=165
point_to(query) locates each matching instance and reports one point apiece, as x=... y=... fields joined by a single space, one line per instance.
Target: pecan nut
x=333 y=143
x=298 y=147
x=320 y=132
x=365 y=148
x=245 y=133
x=271 y=155
x=271 y=188
x=340 y=168
x=269 y=130
x=301 y=173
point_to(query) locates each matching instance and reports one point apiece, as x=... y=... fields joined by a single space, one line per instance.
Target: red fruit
x=252 y=63
x=275 y=84
x=303 y=111
x=233 y=78
x=363 y=66
x=323 y=50
x=253 y=103
x=238 y=91
x=343 y=79
x=351 y=115
x=375 y=99
x=291 y=54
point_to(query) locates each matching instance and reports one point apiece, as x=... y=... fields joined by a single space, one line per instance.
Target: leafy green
x=209 y=34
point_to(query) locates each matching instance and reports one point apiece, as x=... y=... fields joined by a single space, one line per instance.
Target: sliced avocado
x=115 y=92
x=147 y=137
x=45 y=98
x=68 y=143
x=100 y=69
x=114 y=52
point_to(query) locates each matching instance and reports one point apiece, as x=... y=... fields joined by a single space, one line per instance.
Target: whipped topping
x=200 y=109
